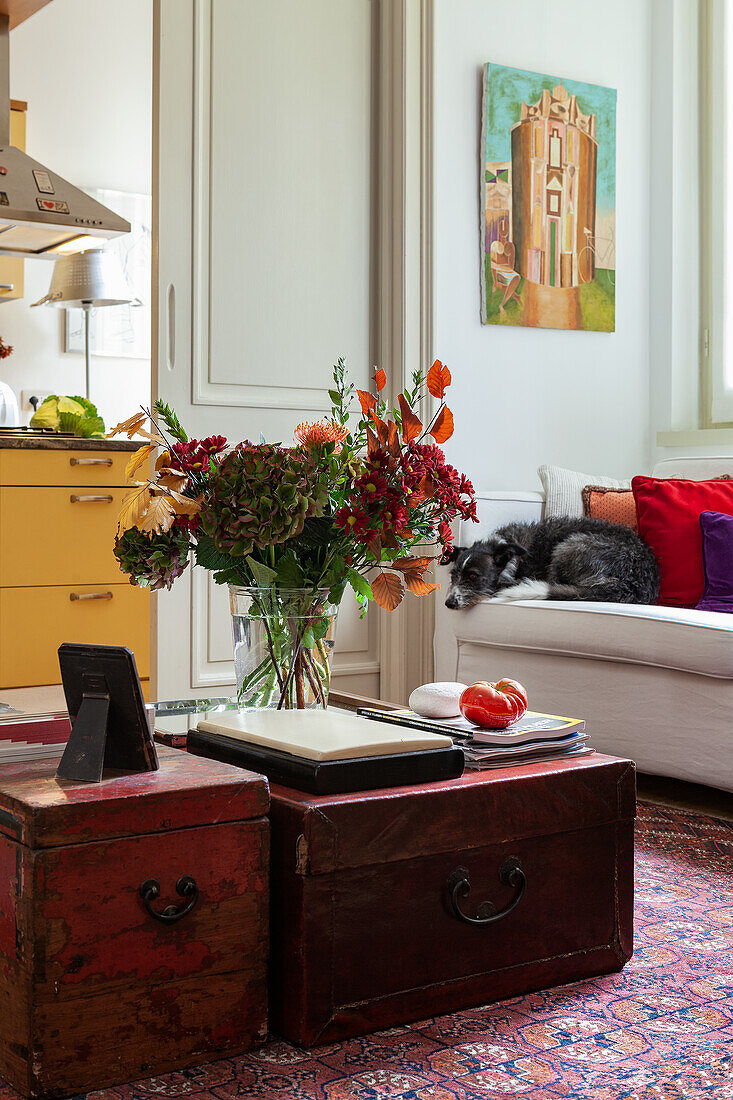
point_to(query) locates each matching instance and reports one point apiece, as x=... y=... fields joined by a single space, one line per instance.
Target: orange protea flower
x=314 y=433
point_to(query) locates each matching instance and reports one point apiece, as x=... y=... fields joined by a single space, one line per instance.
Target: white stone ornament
x=438 y=700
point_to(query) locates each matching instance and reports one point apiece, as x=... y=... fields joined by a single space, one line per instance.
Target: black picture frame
x=110 y=730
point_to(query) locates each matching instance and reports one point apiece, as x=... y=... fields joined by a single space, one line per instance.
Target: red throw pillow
x=668 y=513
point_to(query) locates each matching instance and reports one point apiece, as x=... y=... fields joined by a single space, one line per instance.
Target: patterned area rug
x=662 y=1029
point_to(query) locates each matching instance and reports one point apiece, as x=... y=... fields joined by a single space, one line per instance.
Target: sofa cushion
x=717 y=560
x=668 y=511
x=611 y=505
x=666 y=637
x=563 y=489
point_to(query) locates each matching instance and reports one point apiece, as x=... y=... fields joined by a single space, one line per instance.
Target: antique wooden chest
x=371 y=891
x=94 y=988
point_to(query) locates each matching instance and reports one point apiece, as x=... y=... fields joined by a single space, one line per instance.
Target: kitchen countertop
x=67 y=443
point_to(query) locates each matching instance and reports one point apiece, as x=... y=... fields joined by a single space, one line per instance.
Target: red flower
x=197 y=455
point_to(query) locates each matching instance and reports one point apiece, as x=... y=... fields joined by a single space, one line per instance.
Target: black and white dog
x=561 y=558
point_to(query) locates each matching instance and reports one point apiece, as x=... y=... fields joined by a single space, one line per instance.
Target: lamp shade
x=87 y=278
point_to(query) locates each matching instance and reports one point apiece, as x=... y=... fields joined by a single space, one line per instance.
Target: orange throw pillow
x=613 y=505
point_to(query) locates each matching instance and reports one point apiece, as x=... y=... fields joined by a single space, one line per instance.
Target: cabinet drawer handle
x=90 y=462
x=186 y=887
x=459 y=886
x=7 y=286
x=90 y=596
x=90 y=498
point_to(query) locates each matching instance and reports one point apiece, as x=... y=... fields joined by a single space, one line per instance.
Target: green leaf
x=208 y=557
x=335 y=396
x=336 y=592
x=171 y=421
x=360 y=584
x=289 y=572
x=263 y=575
x=317 y=531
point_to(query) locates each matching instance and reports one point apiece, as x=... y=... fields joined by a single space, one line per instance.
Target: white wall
x=85 y=68
x=522 y=397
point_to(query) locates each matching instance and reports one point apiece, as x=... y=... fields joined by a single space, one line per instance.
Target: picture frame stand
x=83 y=758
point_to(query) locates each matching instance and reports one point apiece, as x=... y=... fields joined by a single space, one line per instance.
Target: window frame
x=716 y=401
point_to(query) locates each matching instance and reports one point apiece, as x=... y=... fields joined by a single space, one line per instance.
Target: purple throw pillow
x=717 y=561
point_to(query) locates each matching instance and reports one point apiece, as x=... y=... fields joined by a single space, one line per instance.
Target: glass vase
x=283 y=641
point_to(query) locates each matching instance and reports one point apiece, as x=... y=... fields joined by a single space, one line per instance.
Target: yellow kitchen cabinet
x=11 y=269
x=59 y=580
x=71 y=466
x=35 y=621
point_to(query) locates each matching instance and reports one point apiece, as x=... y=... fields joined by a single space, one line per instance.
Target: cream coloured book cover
x=322 y=735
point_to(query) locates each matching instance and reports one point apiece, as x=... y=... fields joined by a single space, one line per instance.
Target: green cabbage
x=69 y=414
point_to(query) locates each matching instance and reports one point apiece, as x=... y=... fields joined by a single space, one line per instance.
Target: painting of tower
x=548 y=223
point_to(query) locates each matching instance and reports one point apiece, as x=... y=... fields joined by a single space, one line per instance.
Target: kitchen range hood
x=42 y=214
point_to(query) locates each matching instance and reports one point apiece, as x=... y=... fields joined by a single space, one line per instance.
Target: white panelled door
x=265 y=212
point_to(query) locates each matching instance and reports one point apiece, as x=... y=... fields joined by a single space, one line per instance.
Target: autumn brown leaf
x=381 y=428
x=439 y=379
x=442 y=428
x=159 y=516
x=411 y=424
x=372 y=441
x=412 y=565
x=130 y=426
x=367 y=401
x=154 y=436
x=172 y=480
x=388 y=590
x=380 y=378
x=185 y=506
x=425 y=491
x=393 y=440
x=374 y=544
x=138 y=459
x=134 y=507
x=418 y=586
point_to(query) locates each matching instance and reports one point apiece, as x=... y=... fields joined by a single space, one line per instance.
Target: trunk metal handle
x=459 y=886
x=185 y=887
x=91 y=498
x=90 y=596
x=90 y=462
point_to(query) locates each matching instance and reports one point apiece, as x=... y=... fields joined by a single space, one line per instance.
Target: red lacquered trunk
x=94 y=990
x=364 y=932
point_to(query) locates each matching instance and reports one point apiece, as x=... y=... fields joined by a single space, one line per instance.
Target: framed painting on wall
x=548 y=226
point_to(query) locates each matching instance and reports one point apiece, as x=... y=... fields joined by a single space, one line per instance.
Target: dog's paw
x=525 y=590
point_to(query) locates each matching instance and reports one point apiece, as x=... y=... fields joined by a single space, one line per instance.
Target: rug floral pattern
x=662 y=1029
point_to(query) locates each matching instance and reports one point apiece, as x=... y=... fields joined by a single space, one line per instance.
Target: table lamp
x=84 y=280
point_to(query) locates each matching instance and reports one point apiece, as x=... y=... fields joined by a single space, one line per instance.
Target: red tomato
x=513 y=687
x=493 y=706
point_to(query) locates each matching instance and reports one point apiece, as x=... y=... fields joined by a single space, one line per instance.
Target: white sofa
x=653 y=683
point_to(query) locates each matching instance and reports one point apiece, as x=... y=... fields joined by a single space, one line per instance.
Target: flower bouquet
x=367 y=504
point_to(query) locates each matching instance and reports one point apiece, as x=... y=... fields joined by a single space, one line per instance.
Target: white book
x=321 y=734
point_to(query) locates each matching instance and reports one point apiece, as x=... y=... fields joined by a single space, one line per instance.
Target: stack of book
x=533 y=738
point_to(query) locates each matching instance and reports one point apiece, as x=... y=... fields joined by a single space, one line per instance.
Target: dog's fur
x=561 y=558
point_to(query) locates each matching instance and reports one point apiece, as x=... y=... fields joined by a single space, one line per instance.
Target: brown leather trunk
x=364 y=932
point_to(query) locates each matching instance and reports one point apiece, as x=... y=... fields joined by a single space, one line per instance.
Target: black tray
x=363 y=773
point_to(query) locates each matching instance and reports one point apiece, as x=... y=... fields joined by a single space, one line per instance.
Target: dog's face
x=479 y=571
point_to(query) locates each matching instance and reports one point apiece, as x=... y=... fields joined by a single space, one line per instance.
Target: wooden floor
x=685 y=796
